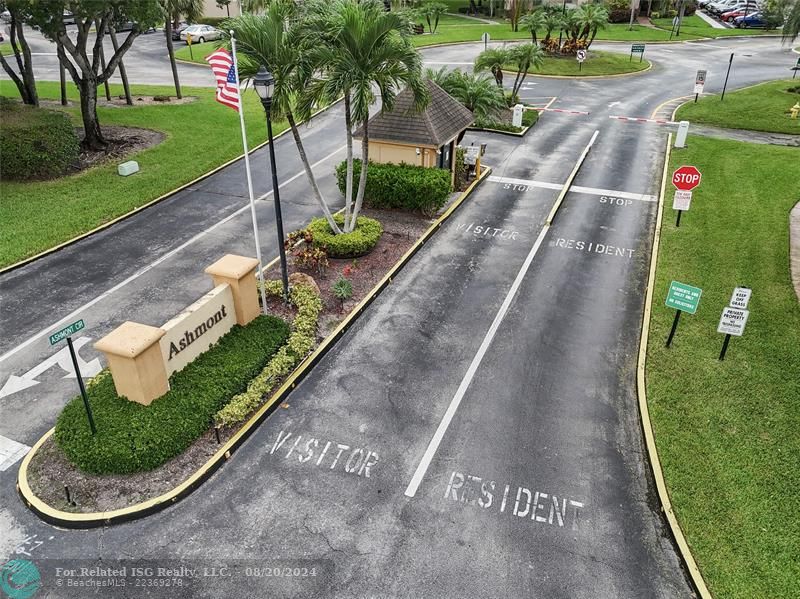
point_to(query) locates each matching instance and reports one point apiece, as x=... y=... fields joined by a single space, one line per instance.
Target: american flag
x=225 y=73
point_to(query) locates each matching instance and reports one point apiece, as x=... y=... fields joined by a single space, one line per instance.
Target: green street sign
x=683 y=297
x=66 y=332
x=637 y=48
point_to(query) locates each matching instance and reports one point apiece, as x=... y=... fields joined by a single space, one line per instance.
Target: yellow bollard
x=795 y=110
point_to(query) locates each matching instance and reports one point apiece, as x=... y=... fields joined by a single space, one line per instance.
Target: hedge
x=304 y=331
x=402 y=186
x=36 y=143
x=132 y=437
x=360 y=241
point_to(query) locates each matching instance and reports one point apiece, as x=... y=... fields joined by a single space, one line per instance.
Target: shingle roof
x=442 y=120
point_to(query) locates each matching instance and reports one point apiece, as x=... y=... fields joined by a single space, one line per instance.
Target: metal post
x=681 y=10
x=674 y=326
x=561 y=31
x=62 y=78
x=80 y=384
x=277 y=198
x=695 y=98
x=678 y=220
x=633 y=10
x=724 y=347
x=725 y=86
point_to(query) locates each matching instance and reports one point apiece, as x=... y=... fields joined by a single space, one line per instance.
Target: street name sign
x=637 y=48
x=686 y=178
x=733 y=321
x=66 y=332
x=683 y=297
x=682 y=200
x=740 y=298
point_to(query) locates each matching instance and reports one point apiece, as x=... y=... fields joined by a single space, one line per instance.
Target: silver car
x=201 y=33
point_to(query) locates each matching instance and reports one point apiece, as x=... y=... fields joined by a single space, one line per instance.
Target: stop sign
x=686 y=178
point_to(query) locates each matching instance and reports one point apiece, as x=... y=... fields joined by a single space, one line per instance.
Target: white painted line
x=575 y=188
x=10 y=452
x=422 y=467
x=151 y=266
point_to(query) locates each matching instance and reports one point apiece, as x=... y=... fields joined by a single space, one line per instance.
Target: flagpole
x=249 y=177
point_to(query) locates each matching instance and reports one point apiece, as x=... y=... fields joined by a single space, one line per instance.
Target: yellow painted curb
x=652 y=451
x=664 y=103
x=94 y=519
x=160 y=198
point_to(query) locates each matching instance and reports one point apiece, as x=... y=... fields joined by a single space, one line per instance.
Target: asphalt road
x=536 y=484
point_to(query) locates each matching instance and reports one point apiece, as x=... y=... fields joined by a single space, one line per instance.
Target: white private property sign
x=682 y=200
x=197 y=328
x=733 y=321
x=740 y=298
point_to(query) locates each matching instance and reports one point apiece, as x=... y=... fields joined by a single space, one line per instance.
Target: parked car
x=68 y=18
x=740 y=11
x=176 y=31
x=716 y=8
x=5 y=15
x=201 y=33
x=754 y=20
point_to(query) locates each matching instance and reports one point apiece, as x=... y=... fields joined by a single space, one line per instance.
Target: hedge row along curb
x=644 y=412
x=160 y=198
x=151 y=506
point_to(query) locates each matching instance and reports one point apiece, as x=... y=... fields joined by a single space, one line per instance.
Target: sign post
x=66 y=333
x=637 y=49
x=485 y=39
x=685 y=179
x=189 y=41
x=699 y=82
x=725 y=85
x=734 y=317
x=581 y=56
x=684 y=298
x=796 y=68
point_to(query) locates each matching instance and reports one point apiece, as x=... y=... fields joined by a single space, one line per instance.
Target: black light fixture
x=264 y=84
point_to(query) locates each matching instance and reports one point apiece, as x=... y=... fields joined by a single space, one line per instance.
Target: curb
x=160 y=198
x=644 y=413
x=581 y=77
x=223 y=454
x=499 y=132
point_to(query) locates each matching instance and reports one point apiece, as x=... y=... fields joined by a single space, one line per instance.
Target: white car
x=201 y=33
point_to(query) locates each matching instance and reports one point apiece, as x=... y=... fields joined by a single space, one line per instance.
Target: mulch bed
x=50 y=471
x=122 y=142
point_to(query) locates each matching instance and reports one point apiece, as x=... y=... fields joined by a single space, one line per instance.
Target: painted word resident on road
x=514 y=500
x=325 y=454
x=487 y=231
x=592 y=247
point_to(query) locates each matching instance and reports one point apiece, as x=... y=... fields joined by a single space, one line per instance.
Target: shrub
x=402 y=186
x=305 y=254
x=461 y=168
x=343 y=290
x=689 y=9
x=301 y=341
x=214 y=21
x=529 y=117
x=619 y=11
x=132 y=437
x=35 y=142
x=346 y=245
x=496 y=125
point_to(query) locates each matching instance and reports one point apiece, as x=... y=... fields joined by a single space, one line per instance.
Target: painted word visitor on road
x=325 y=454
x=514 y=500
x=488 y=231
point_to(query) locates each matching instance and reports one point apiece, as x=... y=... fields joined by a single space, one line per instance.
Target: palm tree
x=525 y=56
x=477 y=92
x=440 y=77
x=590 y=18
x=358 y=46
x=173 y=9
x=274 y=39
x=552 y=21
x=533 y=22
x=493 y=60
x=791 y=27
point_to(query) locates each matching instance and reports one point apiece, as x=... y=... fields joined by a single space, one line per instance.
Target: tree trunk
x=27 y=72
x=348 y=185
x=23 y=92
x=122 y=72
x=62 y=79
x=93 y=139
x=97 y=27
x=25 y=81
x=171 y=52
x=362 y=179
x=311 y=179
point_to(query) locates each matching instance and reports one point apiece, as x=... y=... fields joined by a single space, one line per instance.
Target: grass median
x=596 y=63
x=763 y=107
x=727 y=431
x=200 y=136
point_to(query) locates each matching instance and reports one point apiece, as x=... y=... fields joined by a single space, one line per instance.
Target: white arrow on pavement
x=61 y=359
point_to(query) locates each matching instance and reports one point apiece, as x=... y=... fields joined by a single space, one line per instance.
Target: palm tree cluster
x=478 y=92
x=523 y=57
x=579 y=25
x=322 y=50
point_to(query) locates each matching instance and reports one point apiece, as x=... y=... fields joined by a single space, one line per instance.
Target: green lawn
x=596 y=63
x=200 y=136
x=727 y=431
x=764 y=107
x=195 y=53
x=694 y=26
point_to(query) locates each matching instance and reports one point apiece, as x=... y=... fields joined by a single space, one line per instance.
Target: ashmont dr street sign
x=66 y=332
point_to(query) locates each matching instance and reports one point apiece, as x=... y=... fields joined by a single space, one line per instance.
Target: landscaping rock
x=301 y=278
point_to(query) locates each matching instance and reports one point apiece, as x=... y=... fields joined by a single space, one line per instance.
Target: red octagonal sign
x=686 y=178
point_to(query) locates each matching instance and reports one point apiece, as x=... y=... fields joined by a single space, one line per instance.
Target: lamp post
x=264 y=84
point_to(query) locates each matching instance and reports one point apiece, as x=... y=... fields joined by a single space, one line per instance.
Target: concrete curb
x=155 y=504
x=499 y=132
x=160 y=198
x=644 y=413
x=610 y=76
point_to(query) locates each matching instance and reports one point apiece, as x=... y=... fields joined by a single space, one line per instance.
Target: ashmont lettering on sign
x=197 y=328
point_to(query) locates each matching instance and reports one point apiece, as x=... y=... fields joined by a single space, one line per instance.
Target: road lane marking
x=422 y=467
x=152 y=265
x=10 y=452
x=574 y=189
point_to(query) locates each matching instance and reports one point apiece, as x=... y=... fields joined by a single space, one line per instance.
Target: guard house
x=427 y=138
